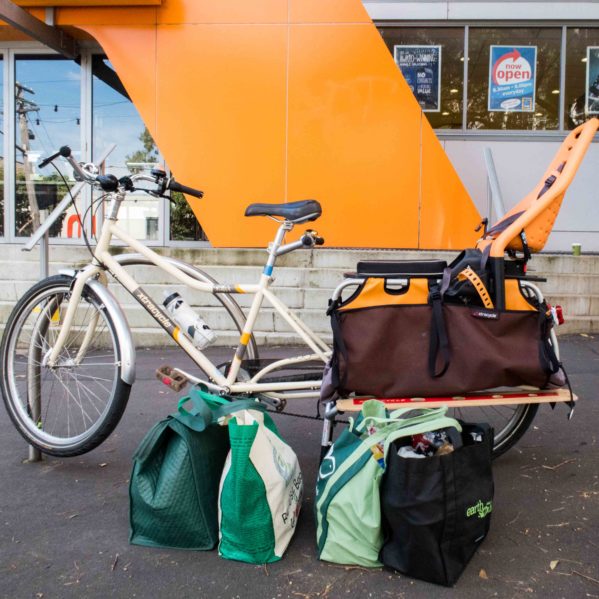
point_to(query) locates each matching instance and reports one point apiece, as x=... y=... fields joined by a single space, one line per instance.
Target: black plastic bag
x=437 y=510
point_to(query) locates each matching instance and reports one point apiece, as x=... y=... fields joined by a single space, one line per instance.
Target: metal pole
x=35 y=403
x=493 y=180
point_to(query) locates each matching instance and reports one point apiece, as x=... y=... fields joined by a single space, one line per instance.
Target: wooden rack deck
x=461 y=401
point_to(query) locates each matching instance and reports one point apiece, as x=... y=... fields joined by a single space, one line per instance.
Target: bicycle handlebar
x=89 y=173
x=65 y=151
x=174 y=186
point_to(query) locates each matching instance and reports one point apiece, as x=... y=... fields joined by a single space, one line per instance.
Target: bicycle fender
x=124 y=338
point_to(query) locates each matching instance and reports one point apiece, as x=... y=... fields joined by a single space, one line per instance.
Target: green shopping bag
x=348 y=510
x=176 y=472
x=261 y=491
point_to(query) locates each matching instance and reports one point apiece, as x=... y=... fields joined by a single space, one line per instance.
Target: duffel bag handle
x=208 y=408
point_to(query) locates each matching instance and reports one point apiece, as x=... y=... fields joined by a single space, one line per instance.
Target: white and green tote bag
x=260 y=492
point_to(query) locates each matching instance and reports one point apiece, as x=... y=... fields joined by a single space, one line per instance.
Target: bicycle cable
x=84 y=234
x=99 y=200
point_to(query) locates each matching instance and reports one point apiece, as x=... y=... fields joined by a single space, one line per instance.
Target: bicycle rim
x=76 y=396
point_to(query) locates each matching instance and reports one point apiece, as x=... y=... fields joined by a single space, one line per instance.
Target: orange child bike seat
x=536 y=213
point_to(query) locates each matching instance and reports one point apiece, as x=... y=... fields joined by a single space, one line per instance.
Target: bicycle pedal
x=169 y=377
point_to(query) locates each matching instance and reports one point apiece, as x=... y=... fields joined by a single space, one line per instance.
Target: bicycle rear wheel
x=71 y=408
x=510 y=422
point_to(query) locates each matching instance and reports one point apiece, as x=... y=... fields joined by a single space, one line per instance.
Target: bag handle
x=395 y=417
x=386 y=437
x=208 y=409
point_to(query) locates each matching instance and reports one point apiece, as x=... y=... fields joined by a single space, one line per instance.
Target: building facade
x=453 y=55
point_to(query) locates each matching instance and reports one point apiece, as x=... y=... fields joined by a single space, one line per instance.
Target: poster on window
x=592 y=86
x=512 y=75
x=421 y=68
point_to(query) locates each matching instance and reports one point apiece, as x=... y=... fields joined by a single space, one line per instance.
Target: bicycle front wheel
x=69 y=408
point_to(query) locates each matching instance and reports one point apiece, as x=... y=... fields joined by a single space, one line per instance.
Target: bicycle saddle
x=296 y=212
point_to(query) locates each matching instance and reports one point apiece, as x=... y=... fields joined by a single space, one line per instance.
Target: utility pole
x=22 y=107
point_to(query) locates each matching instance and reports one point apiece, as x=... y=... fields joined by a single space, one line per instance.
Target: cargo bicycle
x=67 y=359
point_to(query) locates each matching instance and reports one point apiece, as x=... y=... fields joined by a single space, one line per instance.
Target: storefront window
x=432 y=61
x=582 y=76
x=515 y=85
x=47 y=116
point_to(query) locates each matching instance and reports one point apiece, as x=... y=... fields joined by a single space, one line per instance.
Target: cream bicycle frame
x=218 y=382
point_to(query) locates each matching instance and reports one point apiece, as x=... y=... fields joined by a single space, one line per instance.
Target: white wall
x=520 y=165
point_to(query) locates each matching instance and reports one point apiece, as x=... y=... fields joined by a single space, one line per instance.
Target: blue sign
x=421 y=68
x=512 y=75
x=592 y=87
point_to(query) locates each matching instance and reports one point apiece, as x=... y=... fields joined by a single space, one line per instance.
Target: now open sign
x=512 y=78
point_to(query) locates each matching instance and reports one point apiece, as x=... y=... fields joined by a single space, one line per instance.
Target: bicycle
x=67 y=359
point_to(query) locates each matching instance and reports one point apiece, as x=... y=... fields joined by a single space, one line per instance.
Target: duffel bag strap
x=477 y=283
x=439 y=341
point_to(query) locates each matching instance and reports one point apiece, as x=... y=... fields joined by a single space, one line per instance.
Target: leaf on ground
x=553 y=564
x=103 y=464
x=483 y=574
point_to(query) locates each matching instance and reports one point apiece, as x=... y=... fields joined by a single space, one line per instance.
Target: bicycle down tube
x=261 y=291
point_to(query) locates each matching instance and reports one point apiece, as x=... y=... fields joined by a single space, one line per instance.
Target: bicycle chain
x=306 y=417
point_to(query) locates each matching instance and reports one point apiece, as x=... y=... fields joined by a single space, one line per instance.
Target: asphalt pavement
x=64 y=522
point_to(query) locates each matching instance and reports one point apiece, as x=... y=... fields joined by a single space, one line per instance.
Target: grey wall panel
x=520 y=165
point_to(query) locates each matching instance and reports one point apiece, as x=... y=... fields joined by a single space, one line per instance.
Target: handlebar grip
x=174 y=186
x=65 y=152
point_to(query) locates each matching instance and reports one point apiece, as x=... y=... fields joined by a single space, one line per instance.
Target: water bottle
x=184 y=315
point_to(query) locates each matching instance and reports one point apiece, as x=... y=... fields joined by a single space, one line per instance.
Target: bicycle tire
x=53 y=291
x=507 y=436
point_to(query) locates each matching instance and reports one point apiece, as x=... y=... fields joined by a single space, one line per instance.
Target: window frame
x=494 y=134
x=9 y=50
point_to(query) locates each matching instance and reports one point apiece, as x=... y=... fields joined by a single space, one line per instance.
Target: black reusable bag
x=436 y=511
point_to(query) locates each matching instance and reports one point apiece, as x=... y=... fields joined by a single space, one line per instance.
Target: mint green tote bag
x=348 y=511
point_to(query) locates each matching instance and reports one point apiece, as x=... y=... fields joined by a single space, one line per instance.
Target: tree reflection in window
x=47 y=116
x=451 y=40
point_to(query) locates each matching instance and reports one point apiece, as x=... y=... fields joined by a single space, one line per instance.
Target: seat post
x=275 y=245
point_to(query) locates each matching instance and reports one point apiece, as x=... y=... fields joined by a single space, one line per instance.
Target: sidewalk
x=64 y=523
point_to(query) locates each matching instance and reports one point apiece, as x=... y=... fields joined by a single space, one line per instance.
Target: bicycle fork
x=80 y=281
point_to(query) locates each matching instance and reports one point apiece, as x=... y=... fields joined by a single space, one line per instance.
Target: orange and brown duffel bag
x=437 y=333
